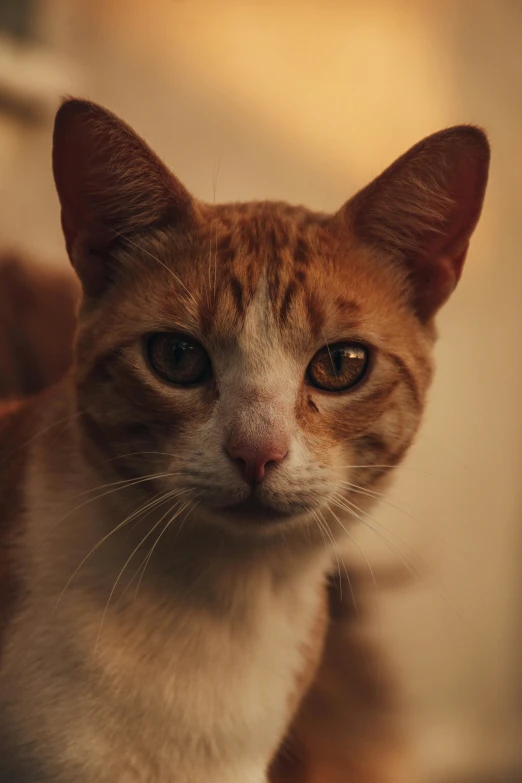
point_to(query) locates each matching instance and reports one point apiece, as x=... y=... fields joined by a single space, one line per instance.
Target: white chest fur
x=171 y=691
x=211 y=698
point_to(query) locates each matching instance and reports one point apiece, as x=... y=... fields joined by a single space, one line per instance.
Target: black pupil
x=338 y=356
x=179 y=351
x=177 y=359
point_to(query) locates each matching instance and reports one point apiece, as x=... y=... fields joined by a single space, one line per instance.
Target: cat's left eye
x=338 y=367
x=178 y=359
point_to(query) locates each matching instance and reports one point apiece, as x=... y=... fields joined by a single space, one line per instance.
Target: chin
x=254 y=513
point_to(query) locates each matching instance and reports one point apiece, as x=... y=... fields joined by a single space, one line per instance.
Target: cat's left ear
x=111 y=187
x=423 y=209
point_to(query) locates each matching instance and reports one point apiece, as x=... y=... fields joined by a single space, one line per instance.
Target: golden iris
x=178 y=359
x=338 y=367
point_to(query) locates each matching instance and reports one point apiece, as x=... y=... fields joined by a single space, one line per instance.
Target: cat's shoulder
x=16 y=424
x=28 y=428
x=22 y=423
x=18 y=419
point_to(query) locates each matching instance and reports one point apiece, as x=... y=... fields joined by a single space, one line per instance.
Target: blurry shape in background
x=37 y=320
x=32 y=76
x=16 y=17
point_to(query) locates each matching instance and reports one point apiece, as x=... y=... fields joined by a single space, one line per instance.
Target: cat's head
x=258 y=356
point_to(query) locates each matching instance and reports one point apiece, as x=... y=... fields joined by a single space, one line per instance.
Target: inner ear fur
x=423 y=209
x=110 y=185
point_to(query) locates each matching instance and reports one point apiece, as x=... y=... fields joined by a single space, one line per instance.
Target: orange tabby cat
x=243 y=374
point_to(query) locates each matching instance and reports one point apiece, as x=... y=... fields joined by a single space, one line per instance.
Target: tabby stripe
x=287 y=301
x=406 y=375
x=237 y=293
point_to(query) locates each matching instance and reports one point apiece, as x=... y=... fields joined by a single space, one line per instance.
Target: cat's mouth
x=252 y=509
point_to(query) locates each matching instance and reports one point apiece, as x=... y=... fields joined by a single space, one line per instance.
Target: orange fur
x=262 y=287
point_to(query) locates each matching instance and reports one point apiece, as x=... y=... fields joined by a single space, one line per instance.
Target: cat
x=246 y=377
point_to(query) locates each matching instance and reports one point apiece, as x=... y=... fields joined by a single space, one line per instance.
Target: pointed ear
x=110 y=185
x=423 y=209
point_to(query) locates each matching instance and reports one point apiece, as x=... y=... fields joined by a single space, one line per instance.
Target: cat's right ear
x=111 y=186
x=422 y=211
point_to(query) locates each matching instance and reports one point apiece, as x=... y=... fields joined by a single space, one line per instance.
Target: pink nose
x=253 y=461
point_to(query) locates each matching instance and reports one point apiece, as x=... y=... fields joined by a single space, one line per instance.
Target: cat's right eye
x=178 y=359
x=338 y=367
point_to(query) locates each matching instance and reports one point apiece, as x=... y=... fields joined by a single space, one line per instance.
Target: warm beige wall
x=306 y=101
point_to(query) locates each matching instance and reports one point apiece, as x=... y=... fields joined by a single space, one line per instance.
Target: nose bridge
x=259 y=419
x=257 y=434
x=258 y=385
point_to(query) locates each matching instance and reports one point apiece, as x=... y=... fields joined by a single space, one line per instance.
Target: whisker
x=330 y=538
x=147 y=559
x=136 y=549
x=215 y=262
x=120 y=483
x=342 y=502
x=324 y=527
x=383 y=499
x=215 y=175
x=144 y=250
x=145 y=507
x=387 y=467
x=363 y=489
x=374 y=580
x=412 y=567
x=329 y=353
x=39 y=434
x=282 y=533
x=136 y=454
x=358 y=546
x=352 y=593
x=209 y=265
x=320 y=526
x=132 y=483
x=380 y=524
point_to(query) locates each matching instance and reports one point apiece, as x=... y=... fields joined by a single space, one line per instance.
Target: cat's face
x=257 y=356
x=285 y=360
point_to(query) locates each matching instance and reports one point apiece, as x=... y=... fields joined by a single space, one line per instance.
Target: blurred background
x=306 y=100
